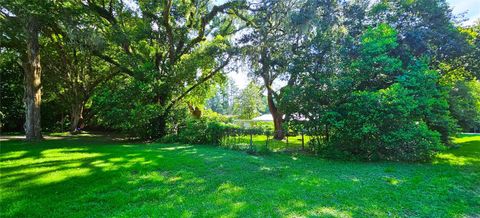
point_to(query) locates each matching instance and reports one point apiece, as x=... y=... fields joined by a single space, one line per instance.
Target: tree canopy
x=375 y=80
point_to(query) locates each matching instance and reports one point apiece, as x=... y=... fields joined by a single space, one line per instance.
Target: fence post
x=303 y=140
x=235 y=137
x=229 y=138
x=286 y=135
x=251 y=139
x=266 y=141
x=213 y=138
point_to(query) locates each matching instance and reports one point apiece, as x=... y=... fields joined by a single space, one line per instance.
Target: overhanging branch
x=200 y=82
x=114 y=62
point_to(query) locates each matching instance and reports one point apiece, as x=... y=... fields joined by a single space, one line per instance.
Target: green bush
x=412 y=143
x=209 y=129
x=383 y=125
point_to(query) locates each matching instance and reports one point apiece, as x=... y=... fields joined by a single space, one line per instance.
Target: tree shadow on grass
x=64 y=178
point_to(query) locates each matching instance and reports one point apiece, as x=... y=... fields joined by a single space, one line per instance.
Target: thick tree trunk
x=267 y=79
x=33 y=91
x=76 y=117
x=279 y=134
x=160 y=127
x=195 y=111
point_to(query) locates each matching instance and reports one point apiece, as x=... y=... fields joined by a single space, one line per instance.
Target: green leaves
x=377 y=65
x=379 y=40
x=250 y=103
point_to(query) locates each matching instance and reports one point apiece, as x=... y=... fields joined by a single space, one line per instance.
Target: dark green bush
x=383 y=125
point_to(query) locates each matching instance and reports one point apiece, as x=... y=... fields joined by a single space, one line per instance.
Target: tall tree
x=33 y=86
x=249 y=102
x=223 y=100
x=173 y=48
x=22 y=22
x=464 y=100
x=267 y=49
x=74 y=72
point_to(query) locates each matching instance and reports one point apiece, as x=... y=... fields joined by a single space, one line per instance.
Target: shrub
x=411 y=143
x=208 y=129
x=383 y=125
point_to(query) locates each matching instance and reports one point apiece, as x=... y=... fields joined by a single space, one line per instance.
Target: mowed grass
x=89 y=176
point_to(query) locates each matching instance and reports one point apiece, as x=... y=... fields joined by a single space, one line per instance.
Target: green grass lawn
x=89 y=176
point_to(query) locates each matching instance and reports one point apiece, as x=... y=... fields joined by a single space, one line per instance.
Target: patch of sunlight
x=291 y=205
x=392 y=180
x=25 y=172
x=310 y=181
x=229 y=189
x=116 y=159
x=297 y=203
x=138 y=160
x=294 y=158
x=67 y=154
x=454 y=160
x=237 y=206
x=61 y=175
x=71 y=165
x=186 y=214
x=174 y=179
x=264 y=168
x=176 y=148
x=61 y=150
x=329 y=212
x=13 y=154
x=104 y=165
x=466 y=138
x=193 y=181
x=152 y=176
x=60 y=134
x=234 y=209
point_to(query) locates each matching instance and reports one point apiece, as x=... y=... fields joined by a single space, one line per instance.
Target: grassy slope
x=87 y=176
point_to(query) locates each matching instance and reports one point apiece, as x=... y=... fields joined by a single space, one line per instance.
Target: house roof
x=268 y=117
x=264 y=117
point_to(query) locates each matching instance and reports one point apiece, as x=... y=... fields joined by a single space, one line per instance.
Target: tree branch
x=205 y=20
x=104 y=13
x=168 y=29
x=201 y=81
x=114 y=62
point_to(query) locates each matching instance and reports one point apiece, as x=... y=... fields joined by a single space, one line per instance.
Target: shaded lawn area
x=89 y=176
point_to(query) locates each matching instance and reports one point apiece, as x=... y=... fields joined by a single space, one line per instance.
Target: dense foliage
x=11 y=94
x=208 y=129
x=390 y=80
x=249 y=103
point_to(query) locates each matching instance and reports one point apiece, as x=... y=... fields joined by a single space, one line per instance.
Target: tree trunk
x=277 y=117
x=195 y=111
x=76 y=117
x=160 y=127
x=33 y=91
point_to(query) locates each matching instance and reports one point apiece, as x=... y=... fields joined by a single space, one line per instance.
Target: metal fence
x=256 y=139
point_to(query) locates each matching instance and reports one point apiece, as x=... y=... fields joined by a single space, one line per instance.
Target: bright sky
x=471 y=8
